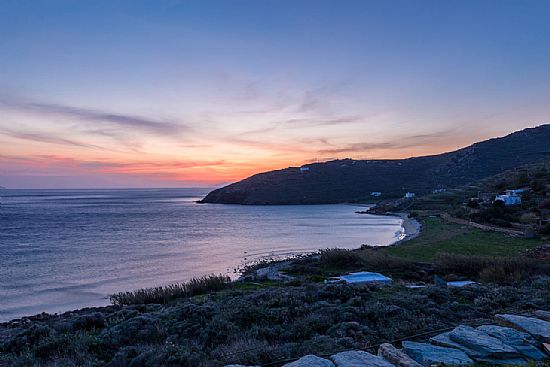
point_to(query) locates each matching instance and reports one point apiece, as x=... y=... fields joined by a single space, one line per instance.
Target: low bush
x=339 y=258
x=164 y=294
x=261 y=327
x=490 y=269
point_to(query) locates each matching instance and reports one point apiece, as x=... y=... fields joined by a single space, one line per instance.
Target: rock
x=482 y=345
x=428 y=354
x=543 y=315
x=310 y=361
x=538 y=328
x=439 y=282
x=396 y=356
x=446 y=341
x=521 y=341
x=359 y=359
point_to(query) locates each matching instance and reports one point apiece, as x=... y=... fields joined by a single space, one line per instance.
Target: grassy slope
x=438 y=237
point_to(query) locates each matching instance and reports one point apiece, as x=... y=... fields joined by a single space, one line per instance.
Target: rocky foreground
x=251 y=324
x=523 y=339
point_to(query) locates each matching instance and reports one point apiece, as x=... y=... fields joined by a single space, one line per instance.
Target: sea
x=66 y=249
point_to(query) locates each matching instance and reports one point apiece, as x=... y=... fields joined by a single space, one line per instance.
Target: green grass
x=440 y=237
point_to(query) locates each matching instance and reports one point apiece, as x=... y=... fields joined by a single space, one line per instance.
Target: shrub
x=490 y=269
x=529 y=218
x=545 y=229
x=339 y=258
x=164 y=294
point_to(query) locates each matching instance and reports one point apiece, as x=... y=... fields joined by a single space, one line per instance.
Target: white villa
x=511 y=197
x=304 y=169
x=410 y=195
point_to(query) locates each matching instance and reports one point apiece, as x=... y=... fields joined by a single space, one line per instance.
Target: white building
x=304 y=169
x=515 y=192
x=509 y=199
x=375 y=193
x=409 y=195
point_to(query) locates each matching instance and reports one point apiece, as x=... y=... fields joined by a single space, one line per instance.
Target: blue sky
x=187 y=93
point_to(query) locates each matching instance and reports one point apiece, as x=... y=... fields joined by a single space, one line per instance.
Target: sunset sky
x=169 y=93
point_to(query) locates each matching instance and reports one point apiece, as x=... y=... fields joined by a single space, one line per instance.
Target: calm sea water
x=66 y=249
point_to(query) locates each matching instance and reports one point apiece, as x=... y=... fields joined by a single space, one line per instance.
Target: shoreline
x=410 y=229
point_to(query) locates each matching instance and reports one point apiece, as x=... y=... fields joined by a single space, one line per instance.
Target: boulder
x=521 y=341
x=543 y=315
x=446 y=341
x=359 y=359
x=482 y=344
x=396 y=356
x=538 y=328
x=310 y=361
x=428 y=354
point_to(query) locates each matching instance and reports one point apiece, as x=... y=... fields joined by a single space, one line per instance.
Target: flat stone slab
x=481 y=343
x=310 y=361
x=521 y=341
x=543 y=315
x=538 y=328
x=396 y=356
x=446 y=341
x=428 y=354
x=359 y=359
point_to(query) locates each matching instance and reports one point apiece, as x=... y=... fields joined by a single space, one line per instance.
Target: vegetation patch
x=260 y=326
x=164 y=294
x=441 y=237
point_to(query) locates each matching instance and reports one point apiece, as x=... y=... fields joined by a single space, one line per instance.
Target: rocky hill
x=350 y=180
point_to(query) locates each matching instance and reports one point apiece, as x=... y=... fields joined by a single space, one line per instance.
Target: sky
x=169 y=93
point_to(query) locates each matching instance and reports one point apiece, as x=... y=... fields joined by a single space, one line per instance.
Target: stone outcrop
x=359 y=358
x=428 y=354
x=526 y=340
x=538 y=328
x=479 y=346
x=543 y=315
x=396 y=356
x=521 y=341
x=310 y=361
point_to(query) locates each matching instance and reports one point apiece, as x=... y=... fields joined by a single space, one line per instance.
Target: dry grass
x=164 y=294
x=490 y=269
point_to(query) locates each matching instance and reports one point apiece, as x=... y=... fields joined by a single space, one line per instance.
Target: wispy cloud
x=45 y=138
x=110 y=119
x=312 y=121
x=399 y=142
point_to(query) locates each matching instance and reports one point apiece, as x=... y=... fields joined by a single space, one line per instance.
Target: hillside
x=350 y=180
x=474 y=202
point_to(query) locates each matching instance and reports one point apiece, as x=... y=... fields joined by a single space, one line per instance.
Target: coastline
x=274 y=271
x=411 y=227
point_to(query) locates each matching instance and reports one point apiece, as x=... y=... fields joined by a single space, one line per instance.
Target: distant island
x=353 y=181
